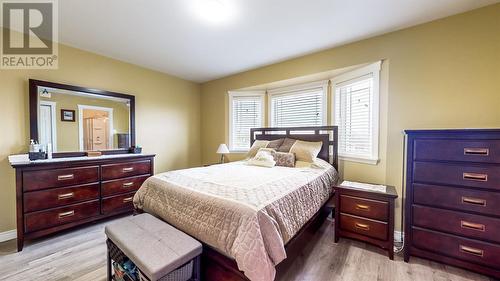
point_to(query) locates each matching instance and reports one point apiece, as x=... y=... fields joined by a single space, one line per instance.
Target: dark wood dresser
x=366 y=215
x=57 y=195
x=453 y=198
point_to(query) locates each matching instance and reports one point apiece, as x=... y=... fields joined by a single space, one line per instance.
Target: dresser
x=58 y=194
x=452 y=207
x=366 y=216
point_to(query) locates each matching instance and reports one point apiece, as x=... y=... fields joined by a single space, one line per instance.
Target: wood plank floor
x=80 y=255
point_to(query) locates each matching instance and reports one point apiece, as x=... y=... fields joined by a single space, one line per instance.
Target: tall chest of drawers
x=452 y=206
x=60 y=194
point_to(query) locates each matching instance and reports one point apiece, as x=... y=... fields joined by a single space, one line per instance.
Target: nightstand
x=366 y=215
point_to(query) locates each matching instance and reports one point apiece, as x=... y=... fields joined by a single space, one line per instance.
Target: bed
x=249 y=218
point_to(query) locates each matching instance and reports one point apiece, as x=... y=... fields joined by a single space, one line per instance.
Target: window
x=356 y=110
x=298 y=106
x=245 y=112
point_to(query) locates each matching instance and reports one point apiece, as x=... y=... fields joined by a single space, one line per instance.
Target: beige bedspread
x=246 y=212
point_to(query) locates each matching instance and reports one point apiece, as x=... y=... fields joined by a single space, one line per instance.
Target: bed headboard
x=327 y=134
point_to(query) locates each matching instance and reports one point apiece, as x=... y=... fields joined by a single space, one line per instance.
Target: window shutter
x=353 y=116
x=246 y=114
x=299 y=108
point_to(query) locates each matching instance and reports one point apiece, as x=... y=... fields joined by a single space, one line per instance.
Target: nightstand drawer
x=368 y=208
x=366 y=227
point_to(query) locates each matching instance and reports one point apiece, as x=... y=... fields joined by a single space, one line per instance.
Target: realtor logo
x=29 y=37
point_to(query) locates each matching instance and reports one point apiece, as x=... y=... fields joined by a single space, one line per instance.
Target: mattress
x=247 y=213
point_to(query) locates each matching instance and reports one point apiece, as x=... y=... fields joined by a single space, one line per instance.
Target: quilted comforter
x=247 y=213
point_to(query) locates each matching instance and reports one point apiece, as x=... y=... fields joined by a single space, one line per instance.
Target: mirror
x=76 y=119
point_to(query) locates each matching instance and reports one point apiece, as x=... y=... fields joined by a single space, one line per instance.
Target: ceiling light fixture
x=213 y=11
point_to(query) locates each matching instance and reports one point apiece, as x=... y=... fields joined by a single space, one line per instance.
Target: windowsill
x=238 y=151
x=359 y=160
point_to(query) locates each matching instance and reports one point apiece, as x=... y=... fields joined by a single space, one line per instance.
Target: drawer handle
x=127 y=184
x=475 y=177
x=477 y=151
x=128 y=199
x=65 y=195
x=474 y=201
x=474 y=226
x=127 y=170
x=362 y=207
x=65 y=177
x=362 y=226
x=471 y=251
x=66 y=214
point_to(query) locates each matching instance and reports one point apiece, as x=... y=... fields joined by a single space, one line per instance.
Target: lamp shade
x=222 y=149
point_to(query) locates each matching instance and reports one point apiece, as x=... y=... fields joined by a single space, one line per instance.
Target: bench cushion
x=156 y=247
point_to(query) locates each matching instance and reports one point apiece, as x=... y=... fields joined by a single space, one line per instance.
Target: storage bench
x=143 y=247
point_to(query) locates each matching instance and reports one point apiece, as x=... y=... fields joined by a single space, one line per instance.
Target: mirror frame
x=33 y=108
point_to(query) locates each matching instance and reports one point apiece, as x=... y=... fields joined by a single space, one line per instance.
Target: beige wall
x=442 y=74
x=167 y=112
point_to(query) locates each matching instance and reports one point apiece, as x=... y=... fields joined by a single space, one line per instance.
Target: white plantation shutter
x=299 y=106
x=356 y=114
x=245 y=113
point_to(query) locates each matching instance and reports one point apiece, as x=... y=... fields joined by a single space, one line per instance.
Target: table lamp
x=222 y=150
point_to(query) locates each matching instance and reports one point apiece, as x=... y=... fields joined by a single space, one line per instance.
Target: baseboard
x=399 y=236
x=8 y=235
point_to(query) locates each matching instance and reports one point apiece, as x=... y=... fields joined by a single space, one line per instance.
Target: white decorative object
x=222 y=150
x=19 y=159
x=365 y=186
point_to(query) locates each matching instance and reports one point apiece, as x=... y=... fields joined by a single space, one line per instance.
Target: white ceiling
x=172 y=36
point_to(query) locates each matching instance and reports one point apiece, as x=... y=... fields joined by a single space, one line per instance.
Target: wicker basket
x=182 y=273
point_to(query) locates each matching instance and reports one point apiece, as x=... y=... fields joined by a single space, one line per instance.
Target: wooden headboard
x=327 y=134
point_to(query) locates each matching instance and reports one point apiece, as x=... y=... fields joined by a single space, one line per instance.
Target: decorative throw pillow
x=264 y=158
x=275 y=144
x=258 y=144
x=306 y=150
x=286 y=145
x=284 y=159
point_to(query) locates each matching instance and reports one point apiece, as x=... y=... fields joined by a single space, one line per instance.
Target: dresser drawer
x=485 y=151
x=366 y=227
x=53 y=217
x=455 y=174
x=473 y=226
x=122 y=185
x=42 y=179
x=462 y=248
x=483 y=202
x=368 y=208
x=119 y=203
x=115 y=171
x=57 y=197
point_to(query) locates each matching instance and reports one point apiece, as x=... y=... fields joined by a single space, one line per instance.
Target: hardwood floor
x=80 y=255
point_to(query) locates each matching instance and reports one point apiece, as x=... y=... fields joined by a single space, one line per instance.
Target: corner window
x=356 y=113
x=298 y=106
x=246 y=111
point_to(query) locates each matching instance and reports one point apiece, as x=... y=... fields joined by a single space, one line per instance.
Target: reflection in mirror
x=78 y=121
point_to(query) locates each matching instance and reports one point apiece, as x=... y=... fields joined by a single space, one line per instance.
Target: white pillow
x=263 y=158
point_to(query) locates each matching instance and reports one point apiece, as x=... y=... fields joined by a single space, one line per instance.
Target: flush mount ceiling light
x=213 y=11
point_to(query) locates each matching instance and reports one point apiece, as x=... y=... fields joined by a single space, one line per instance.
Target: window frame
x=374 y=70
x=291 y=90
x=235 y=94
